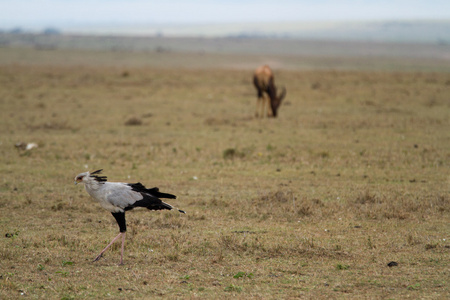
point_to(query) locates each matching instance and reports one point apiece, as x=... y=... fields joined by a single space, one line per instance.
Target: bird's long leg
x=109 y=245
x=123 y=244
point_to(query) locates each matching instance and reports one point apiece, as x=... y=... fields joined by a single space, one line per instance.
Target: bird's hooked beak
x=78 y=179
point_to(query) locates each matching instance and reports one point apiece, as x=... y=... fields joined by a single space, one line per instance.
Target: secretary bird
x=118 y=197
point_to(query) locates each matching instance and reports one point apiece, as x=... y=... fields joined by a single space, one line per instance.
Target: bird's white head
x=82 y=177
x=87 y=177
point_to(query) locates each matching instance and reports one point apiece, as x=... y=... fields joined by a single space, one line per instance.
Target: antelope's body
x=264 y=82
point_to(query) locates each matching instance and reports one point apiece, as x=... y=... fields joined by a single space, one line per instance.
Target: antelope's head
x=275 y=102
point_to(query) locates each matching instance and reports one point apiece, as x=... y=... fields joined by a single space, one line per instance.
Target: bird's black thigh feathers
x=120 y=218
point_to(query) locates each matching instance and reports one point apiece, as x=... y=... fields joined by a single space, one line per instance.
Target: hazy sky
x=34 y=13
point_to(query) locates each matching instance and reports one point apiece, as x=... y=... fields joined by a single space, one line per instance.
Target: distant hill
x=393 y=46
x=395 y=31
x=380 y=31
x=289 y=47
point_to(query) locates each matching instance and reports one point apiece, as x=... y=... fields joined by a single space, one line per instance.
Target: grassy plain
x=353 y=174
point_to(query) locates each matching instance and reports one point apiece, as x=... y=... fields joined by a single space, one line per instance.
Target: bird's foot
x=98 y=257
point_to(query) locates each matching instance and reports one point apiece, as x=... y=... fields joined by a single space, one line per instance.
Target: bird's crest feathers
x=98 y=178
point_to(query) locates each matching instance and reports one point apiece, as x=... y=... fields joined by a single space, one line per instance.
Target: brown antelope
x=264 y=83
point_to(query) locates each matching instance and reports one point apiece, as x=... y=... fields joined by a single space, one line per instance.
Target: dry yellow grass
x=315 y=204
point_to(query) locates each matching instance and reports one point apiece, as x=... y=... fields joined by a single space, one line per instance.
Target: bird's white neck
x=92 y=184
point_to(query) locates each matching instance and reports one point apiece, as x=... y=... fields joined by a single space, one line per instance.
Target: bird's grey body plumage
x=118 y=197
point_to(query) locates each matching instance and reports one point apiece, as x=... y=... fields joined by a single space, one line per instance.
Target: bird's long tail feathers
x=155 y=192
x=153 y=203
x=169 y=207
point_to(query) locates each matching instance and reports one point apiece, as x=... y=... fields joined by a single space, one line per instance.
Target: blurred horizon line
x=419 y=30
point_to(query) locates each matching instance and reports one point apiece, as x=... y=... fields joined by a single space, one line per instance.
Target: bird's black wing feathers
x=139 y=187
x=150 y=198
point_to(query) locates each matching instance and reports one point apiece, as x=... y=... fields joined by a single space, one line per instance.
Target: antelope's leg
x=258 y=104
x=263 y=105
x=269 y=108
